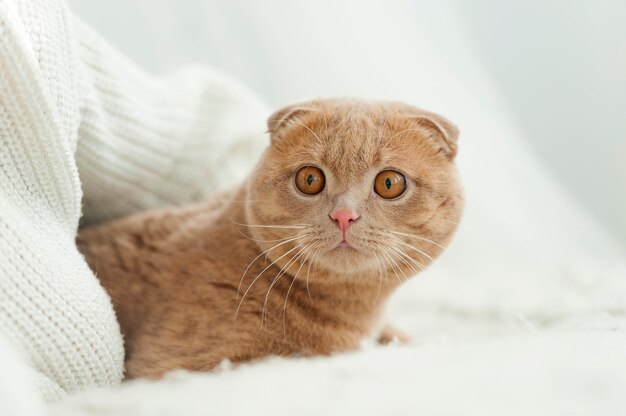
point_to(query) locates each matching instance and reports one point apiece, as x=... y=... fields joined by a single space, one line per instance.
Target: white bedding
x=520 y=372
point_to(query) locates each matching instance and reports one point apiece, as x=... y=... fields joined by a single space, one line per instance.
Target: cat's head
x=350 y=187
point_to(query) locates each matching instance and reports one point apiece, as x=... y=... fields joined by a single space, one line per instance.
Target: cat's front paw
x=391 y=334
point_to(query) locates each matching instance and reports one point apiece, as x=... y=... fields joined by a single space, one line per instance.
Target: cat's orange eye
x=310 y=180
x=390 y=184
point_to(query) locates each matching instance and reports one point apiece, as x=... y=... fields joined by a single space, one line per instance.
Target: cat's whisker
x=420 y=266
x=380 y=277
x=396 y=256
x=291 y=121
x=418 y=237
x=257 y=278
x=323 y=115
x=313 y=259
x=315 y=264
x=413 y=264
x=382 y=270
x=393 y=265
x=286 y=226
x=383 y=126
x=289 y=291
x=410 y=246
x=387 y=259
x=402 y=243
x=401 y=258
x=411 y=261
x=309 y=129
x=280 y=274
x=265 y=241
x=265 y=252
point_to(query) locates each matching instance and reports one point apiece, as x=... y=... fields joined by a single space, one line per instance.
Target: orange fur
x=218 y=280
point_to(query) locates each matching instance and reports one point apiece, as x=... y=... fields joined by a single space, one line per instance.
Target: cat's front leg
x=391 y=334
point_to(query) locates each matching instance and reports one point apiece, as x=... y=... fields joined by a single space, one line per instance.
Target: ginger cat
x=349 y=200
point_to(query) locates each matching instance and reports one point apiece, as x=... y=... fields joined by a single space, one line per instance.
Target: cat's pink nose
x=344 y=217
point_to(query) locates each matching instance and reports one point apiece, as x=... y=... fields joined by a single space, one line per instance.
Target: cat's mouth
x=348 y=255
x=344 y=244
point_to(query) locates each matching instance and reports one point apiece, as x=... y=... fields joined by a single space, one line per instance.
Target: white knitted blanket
x=84 y=131
x=524 y=314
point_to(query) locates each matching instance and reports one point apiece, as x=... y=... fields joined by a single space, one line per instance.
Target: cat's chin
x=346 y=259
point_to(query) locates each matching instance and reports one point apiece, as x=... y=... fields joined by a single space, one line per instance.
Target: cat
x=349 y=200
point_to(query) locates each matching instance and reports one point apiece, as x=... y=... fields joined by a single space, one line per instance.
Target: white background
x=556 y=68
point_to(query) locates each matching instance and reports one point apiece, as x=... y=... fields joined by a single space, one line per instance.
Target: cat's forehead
x=352 y=140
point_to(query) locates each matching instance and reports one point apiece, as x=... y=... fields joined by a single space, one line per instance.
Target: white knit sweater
x=81 y=126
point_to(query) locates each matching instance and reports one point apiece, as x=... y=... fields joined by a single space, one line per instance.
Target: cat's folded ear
x=444 y=132
x=286 y=116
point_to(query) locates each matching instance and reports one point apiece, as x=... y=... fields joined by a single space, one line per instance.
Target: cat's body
x=173 y=276
x=272 y=269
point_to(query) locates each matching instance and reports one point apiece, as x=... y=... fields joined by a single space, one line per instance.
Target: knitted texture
x=80 y=124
